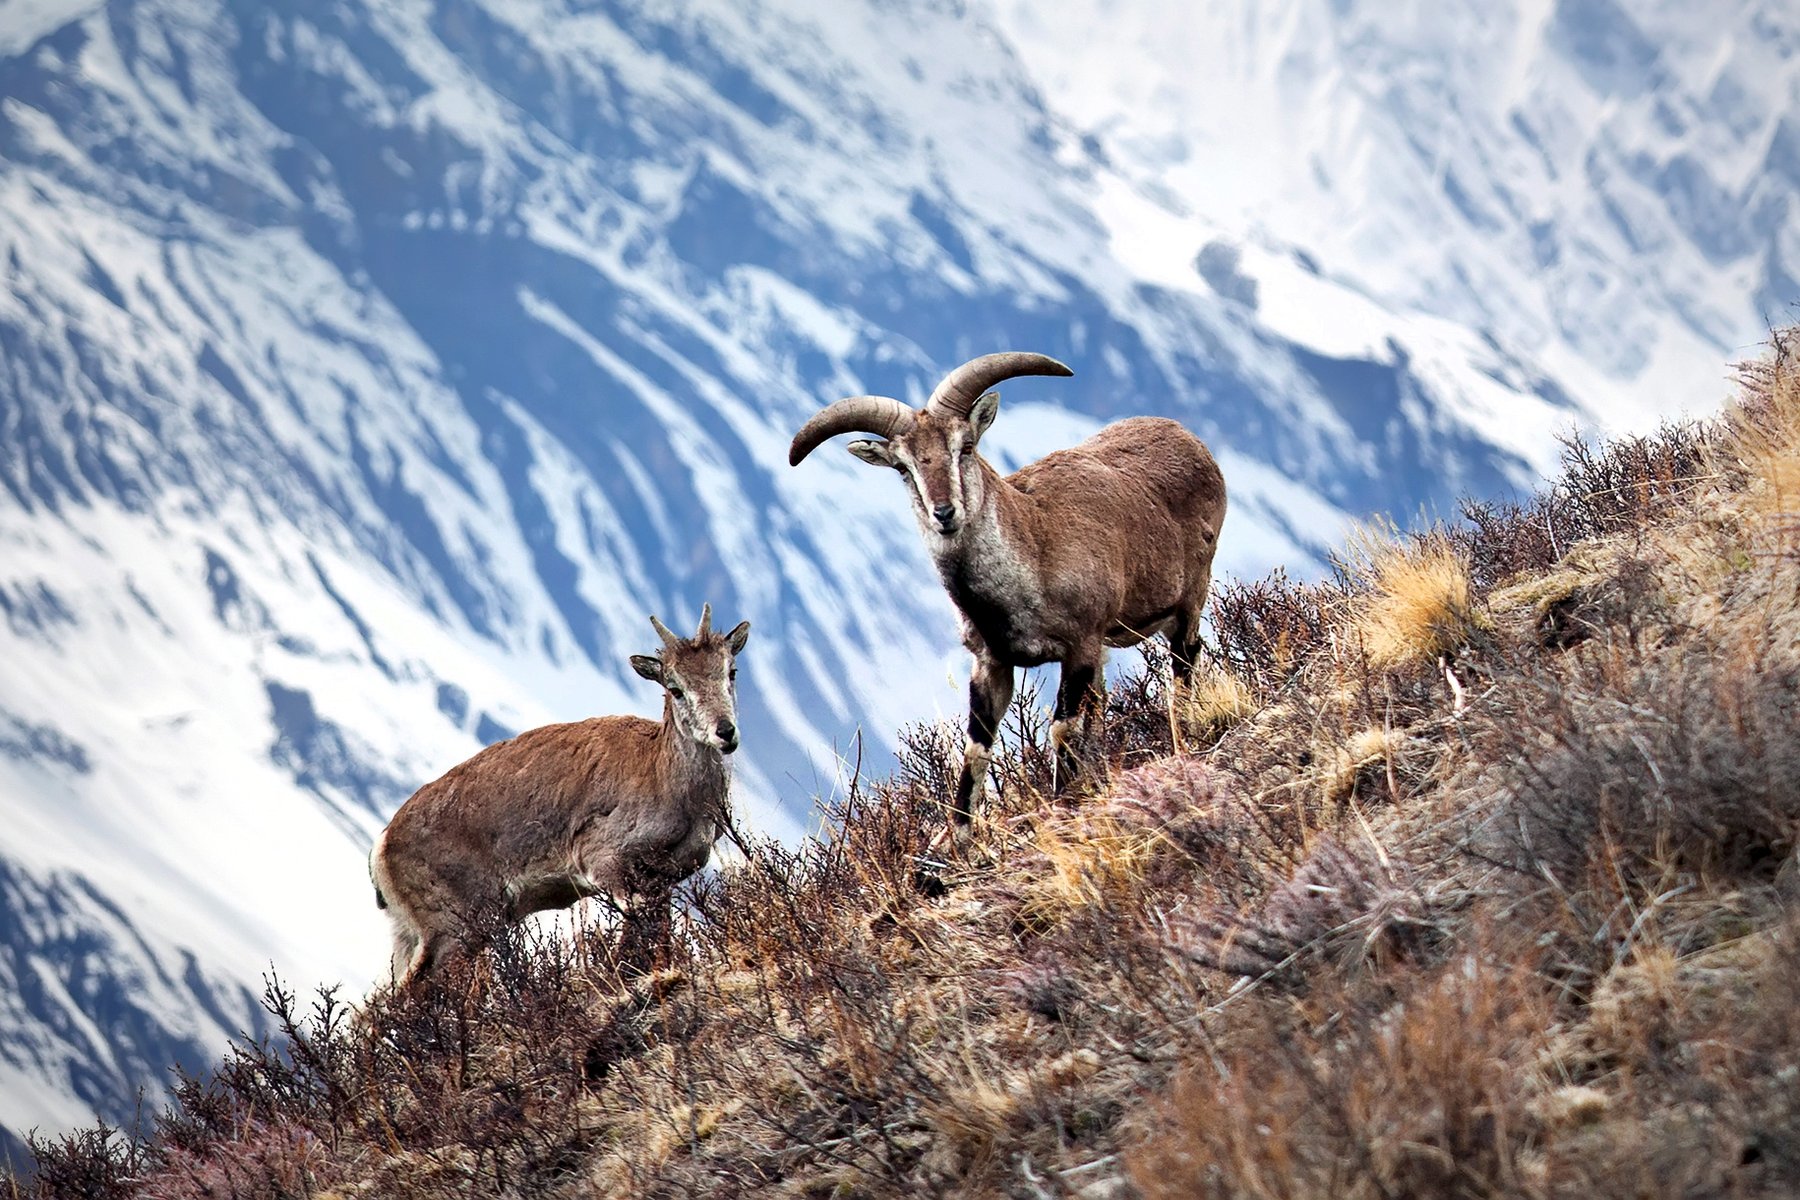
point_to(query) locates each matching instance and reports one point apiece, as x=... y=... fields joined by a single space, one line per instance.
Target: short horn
x=957 y=393
x=705 y=622
x=662 y=631
x=859 y=414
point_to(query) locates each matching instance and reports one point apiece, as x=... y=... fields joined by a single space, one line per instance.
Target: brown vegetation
x=1478 y=879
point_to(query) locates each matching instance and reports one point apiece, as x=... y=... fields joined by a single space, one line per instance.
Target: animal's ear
x=649 y=666
x=982 y=413
x=737 y=637
x=876 y=454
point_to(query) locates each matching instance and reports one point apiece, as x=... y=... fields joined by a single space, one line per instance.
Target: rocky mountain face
x=368 y=373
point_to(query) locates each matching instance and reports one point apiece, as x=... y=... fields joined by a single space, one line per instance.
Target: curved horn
x=858 y=414
x=662 y=631
x=958 y=391
x=705 y=622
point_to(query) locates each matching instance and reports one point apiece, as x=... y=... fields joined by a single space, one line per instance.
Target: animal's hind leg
x=1185 y=645
x=433 y=949
x=418 y=950
x=1184 y=653
x=1076 y=698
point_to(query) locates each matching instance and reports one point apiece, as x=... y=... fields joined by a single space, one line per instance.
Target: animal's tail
x=374 y=877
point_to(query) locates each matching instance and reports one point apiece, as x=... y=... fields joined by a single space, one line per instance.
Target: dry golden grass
x=1343 y=765
x=1419 y=605
x=1764 y=435
x=1085 y=861
x=1208 y=705
x=975 y=1117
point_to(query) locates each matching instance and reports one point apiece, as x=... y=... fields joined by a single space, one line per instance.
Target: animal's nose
x=727 y=732
x=944 y=513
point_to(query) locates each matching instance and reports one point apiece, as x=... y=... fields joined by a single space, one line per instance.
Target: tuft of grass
x=1763 y=433
x=1210 y=704
x=1417 y=604
x=1082 y=862
x=975 y=1117
x=1344 y=767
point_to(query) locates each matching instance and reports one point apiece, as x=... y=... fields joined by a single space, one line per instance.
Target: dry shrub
x=1267 y=628
x=1134 y=722
x=1629 y=483
x=261 y=1162
x=1360 y=1094
x=1657 y=759
x=1619 y=488
x=101 y=1163
x=1416 y=605
x=1349 y=906
x=1507 y=541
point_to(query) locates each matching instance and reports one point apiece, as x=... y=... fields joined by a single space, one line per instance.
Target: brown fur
x=1119 y=532
x=618 y=806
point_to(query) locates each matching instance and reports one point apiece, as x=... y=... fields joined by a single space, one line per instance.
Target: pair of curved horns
x=954 y=396
x=669 y=640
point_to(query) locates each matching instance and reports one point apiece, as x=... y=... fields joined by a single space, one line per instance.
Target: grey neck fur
x=984 y=564
x=703 y=766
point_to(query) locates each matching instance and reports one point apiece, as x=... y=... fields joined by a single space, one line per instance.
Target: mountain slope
x=1475 y=877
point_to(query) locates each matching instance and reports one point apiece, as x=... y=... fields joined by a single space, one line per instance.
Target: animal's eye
x=676 y=692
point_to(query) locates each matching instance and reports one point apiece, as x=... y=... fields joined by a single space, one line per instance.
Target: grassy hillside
x=1476 y=876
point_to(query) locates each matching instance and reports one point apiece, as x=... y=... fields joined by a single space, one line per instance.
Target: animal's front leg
x=644 y=933
x=1075 y=697
x=990 y=691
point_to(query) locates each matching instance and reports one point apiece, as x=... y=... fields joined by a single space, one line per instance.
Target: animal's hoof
x=954 y=841
x=928 y=877
x=954 y=849
x=1079 y=785
x=950 y=847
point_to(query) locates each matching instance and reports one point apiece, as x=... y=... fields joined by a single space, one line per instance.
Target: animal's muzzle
x=727 y=733
x=945 y=516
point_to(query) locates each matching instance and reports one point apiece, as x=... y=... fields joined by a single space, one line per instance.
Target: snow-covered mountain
x=368 y=372
x=1606 y=187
